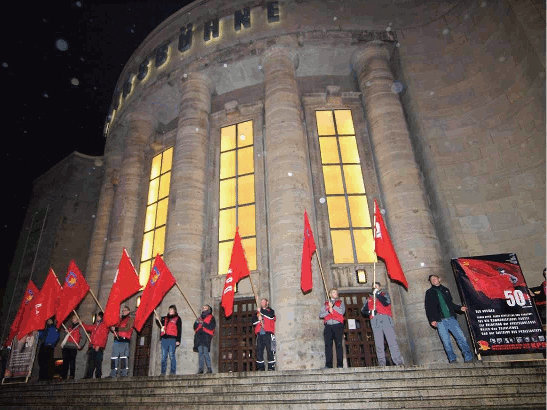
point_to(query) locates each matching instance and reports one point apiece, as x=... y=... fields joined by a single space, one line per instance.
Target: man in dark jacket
x=441 y=314
x=171 y=330
x=204 y=328
x=48 y=338
x=538 y=295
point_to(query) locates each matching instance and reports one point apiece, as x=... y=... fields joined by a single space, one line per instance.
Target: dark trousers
x=330 y=334
x=46 y=363
x=264 y=341
x=94 y=363
x=69 y=362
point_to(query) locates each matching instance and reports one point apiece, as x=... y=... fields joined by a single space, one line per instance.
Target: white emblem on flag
x=378 y=230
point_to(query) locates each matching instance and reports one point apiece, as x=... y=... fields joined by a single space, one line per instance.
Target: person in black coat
x=204 y=328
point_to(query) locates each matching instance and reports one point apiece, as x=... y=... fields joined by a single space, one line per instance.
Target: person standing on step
x=119 y=361
x=171 y=331
x=381 y=321
x=441 y=314
x=332 y=314
x=538 y=295
x=204 y=328
x=264 y=323
x=73 y=340
x=99 y=337
x=48 y=338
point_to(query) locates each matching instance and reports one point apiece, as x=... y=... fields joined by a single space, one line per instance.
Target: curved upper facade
x=248 y=113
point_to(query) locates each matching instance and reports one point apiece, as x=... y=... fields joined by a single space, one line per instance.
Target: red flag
x=306 y=282
x=161 y=280
x=42 y=307
x=31 y=292
x=238 y=270
x=74 y=290
x=384 y=249
x=126 y=284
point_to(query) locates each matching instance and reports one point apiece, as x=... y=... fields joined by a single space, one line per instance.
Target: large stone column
x=289 y=193
x=185 y=236
x=408 y=214
x=128 y=197
x=111 y=161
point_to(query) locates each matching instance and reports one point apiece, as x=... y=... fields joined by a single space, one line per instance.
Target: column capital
x=289 y=53
x=375 y=49
x=197 y=76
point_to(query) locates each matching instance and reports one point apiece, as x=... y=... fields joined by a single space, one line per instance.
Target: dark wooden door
x=142 y=350
x=237 y=342
x=360 y=349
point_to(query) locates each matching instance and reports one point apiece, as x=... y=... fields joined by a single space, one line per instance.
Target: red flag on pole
x=74 y=290
x=306 y=282
x=384 y=249
x=30 y=293
x=161 y=280
x=238 y=270
x=126 y=284
x=42 y=307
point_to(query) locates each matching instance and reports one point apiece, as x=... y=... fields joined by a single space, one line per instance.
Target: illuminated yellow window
x=153 y=241
x=236 y=193
x=349 y=218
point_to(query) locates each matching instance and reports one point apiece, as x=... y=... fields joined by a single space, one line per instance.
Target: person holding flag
x=99 y=336
x=73 y=340
x=119 y=361
x=30 y=293
x=378 y=308
x=48 y=338
x=264 y=324
x=332 y=313
x=204 y=328
x=171 y=331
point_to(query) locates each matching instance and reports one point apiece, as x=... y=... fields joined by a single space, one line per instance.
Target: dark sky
x=59 y=63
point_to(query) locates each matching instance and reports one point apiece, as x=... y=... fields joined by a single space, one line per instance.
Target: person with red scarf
x=332 y=314
x=171 y=331
x=204 y=328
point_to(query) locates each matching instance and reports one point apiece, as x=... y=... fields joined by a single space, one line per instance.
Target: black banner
x=501 y=315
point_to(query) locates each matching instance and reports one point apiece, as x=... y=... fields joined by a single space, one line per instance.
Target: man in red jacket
x=332 y=314
x=264 y=324
x=99 y=336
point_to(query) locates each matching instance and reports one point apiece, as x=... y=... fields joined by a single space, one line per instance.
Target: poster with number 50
x=501 y=315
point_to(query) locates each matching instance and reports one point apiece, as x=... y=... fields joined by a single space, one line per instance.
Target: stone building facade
x=250 y=112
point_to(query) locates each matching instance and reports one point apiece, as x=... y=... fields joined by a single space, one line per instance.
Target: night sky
x=59 y=63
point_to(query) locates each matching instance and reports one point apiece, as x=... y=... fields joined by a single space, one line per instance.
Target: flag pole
x=254 y=291
x=375 y=259
x=80 y=320
x=186 y=299
x=322 y=274
x=96 y=301
x=158 y=318
x=70 y=334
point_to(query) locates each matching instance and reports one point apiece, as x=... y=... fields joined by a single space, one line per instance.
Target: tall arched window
x=349 y=218
x=153 y=242
x=236 y=193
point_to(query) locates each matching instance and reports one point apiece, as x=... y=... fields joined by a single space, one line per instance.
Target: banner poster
x=21 y=359
x=501 y=316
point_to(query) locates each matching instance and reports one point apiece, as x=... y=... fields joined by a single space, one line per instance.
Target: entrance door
x=142 y=350
x=359 y=340
x=237 y=344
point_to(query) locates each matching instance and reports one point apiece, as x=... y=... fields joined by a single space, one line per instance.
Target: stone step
x=353 y=375
x=76 y=389
x=464 y=386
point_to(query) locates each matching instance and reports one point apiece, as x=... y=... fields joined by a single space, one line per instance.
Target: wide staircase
x=500 y=385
